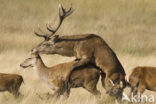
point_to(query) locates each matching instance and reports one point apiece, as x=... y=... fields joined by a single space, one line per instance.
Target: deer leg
x=106 y=81
x=17 y=94
x=91 y=87
x=14 y=92
x=61 y=91
x=131 y=91
x=66 y=94
x=56 y=94
x=141 y=89
x=95 y=92
x=103 y=75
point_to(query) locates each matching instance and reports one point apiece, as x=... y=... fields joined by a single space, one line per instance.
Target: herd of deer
x=93 y=59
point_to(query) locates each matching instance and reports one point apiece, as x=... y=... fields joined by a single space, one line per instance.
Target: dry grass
x=127 y=26
x=34 y=89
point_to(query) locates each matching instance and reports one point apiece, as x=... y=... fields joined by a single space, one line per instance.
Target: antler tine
x=50 y=28
x=70 y=11
x=44 y=35
x=37 y=34
x=61 y=10
x=62 y=15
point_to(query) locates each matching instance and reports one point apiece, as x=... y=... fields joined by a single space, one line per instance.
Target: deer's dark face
x=47 y=46
x=115 y=89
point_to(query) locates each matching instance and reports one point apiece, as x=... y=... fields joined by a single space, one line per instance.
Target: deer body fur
x=141 y=78
x=10 y=83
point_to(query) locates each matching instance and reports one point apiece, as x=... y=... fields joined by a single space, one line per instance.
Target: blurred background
x=128 y=26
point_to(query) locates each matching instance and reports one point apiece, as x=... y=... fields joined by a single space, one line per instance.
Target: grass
x=127 y=26
x=34 y=90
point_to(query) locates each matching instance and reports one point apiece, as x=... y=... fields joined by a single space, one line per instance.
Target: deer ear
x=56 y=38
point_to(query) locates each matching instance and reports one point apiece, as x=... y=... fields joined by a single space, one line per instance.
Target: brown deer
x=10 y=83
x=86 y=77
x=87 y=48
x=141 y=78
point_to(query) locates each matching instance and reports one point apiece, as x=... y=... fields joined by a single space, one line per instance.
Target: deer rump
x=10 y=83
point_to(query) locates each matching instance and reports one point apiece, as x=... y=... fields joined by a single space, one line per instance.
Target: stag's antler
x=43 y=34
x=62 y=15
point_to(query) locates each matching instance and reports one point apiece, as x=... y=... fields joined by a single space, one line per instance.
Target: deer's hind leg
x=91 y=87
x=103 y=76
x=66 y=93
x=141 y=89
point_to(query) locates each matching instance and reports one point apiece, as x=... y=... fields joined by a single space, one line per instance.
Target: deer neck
x=66 y=48
x=40 y=68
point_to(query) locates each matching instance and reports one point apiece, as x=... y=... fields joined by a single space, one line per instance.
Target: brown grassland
x=128 y=26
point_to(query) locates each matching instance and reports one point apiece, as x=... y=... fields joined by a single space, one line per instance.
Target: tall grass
x=128 y=26
x=35 y=91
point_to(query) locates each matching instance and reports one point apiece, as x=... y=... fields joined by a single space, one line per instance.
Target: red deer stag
x=10 y=83
x=87 y=48
x=86 y=77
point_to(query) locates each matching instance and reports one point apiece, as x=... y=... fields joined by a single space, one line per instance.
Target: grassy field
x=129 y=27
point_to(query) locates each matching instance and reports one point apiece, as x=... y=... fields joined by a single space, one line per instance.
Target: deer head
x=115 y=88
x=50 y=39
x=29 y=62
